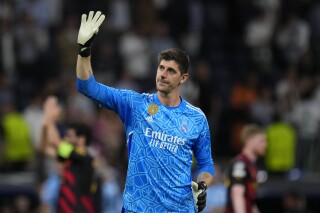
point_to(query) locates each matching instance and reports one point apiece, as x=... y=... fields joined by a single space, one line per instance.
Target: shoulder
x=238 y=168
x=196 y=114
x=130 y=94
x=194 y=110
x=147 y=96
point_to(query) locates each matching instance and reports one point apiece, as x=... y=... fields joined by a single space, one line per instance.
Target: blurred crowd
x=252 y=61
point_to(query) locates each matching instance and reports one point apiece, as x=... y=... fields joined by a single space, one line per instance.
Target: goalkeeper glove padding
x=88 y=29
x=199 y=194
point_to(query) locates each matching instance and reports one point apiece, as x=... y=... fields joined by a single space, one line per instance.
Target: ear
x=184 y=78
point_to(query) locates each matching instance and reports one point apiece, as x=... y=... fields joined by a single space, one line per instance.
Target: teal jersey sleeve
x=117 y=100
x=202 y=150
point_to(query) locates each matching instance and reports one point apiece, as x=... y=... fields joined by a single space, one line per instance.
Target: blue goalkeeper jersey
x=160 y=143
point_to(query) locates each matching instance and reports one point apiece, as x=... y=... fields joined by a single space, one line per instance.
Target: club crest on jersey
x=184 y=127
x=153 y=109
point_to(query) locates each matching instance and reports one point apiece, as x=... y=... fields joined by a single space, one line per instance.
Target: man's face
x=71 y=136
x=169 y=76
x=258 y=144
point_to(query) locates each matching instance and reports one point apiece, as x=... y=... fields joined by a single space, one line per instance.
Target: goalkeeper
x=162 y=130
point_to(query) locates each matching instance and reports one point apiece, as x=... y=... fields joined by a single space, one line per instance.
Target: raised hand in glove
x=88 y=29
x=199 y=194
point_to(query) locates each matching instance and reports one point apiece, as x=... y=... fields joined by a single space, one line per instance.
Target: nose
x=164 y=74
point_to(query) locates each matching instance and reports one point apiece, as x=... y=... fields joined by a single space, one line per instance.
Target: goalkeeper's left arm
x=202 y=154
x=49 y=135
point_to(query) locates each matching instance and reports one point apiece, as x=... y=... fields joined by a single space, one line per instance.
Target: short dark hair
x=81 y=130
x=177 y=55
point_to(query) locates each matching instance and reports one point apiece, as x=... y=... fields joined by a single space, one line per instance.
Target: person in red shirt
x=242 y=172
x=76 y=191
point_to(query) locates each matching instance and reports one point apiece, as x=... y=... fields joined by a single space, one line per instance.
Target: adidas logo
x=149 y=118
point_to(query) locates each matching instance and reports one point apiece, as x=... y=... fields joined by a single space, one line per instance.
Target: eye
x=171 y=71
x=161 y=67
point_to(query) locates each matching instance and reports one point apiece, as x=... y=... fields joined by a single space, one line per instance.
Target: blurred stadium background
x=252 y=61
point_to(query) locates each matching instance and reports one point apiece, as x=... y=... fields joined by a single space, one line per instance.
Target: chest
x=252 y=173
x=160 y=127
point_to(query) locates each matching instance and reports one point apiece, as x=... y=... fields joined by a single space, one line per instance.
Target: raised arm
x=50 y=137
x=88 y=29
x=111 y=98
x=84 y=69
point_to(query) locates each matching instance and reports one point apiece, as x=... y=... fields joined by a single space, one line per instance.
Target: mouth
x=163 y=82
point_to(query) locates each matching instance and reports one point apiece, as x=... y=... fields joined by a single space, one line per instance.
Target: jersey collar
x=181 y=106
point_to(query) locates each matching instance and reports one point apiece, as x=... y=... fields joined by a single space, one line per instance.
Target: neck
x=250 y=155
x=171 y=99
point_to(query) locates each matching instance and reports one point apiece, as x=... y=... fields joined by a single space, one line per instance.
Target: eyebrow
x=168 y=68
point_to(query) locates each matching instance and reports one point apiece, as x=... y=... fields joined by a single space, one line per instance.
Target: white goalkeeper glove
x=88 y=29
x=199 y=194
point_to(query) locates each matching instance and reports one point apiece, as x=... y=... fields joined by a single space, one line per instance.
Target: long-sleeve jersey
x=160 y=143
